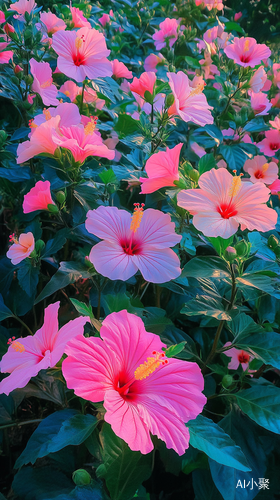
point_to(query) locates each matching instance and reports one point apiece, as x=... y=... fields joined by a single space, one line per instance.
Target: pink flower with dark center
x=50 y=23
x=237 y=357
x=162 y=170
x=260 y=170
x=247 y=52
x=224 y=202
x=260 y=103
x=271 y=144
x=120 y=70
x=41 y=141
x=190 y=103
x=145 y=83
x=152 y=61
x=258 y=79
x=5 y=55
x=82 y=54
x=78 y=18
x=144 y=392
x=21 y=248
x=141 y=242
x=82 y=142
x=27 y=356
x=38 y=198
x=43 y=82
x=168 y=30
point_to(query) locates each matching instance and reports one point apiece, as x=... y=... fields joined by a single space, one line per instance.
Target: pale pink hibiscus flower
x=145 y=83
x=271 y=143
x=82 y=54
x=152 y=61
x=144 y=393
x=224 y=202
x=27 y=356
x=247 y=52
x=43 y=82
x=21 y=248
x=38 y=198
x=23 y=6
x=69 y=115
x=41 y=141
x=141 y=242
x=190 y=103
x=162 y=170
x=72 y=90
x=237 y=357
x=78 y=18
x=275 y=187
x=5 y=55
x=260 y=103
x=106 y=18
x=120 y=70
x=258 y=79
x=275 y=123
x=168 y=30
x=50 y=23
x=260 y=170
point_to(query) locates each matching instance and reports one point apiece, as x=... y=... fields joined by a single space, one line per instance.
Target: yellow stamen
x=197 y=90
x=90 y=127
x=136 y=217
x=235 y=186
x=46 y=84
x=47 y=114
x=17 y=346
x=67 y=93
x=32 y=124
x=246 y=46
x=265 y=167
x=78 y=43
x=149 y=366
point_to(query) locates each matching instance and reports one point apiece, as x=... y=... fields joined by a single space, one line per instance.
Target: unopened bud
x=8 y=28
x=81 y=477
x=227 y=381
x=60 y=196
x=169 y=100
x=230 y=254
x=194 y=175
x=52 y=208
x=39 y=246
x=241 y=248
x=18 y=69
x=3 y=137
x=272 y=241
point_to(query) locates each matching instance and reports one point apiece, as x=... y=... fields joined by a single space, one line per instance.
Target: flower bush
x=139 y=273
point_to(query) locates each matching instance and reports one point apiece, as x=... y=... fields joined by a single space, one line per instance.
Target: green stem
x=19 y=424
x=82 y=97
x=23 y=324
x=158 y=294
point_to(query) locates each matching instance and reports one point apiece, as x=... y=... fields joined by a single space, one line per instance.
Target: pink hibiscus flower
x=43 y=82
x=141 y=242
x=168 y=30
x=145 y=83
x=21 y=248
x=2 y=17
x=27 y=356
x=68 y=113
x=271 y=144
x=41 y=141
x=50 y=23
x=106 y=18
x=38 y=198
x=152 y=61
x=224 y=202
x=275 y=187
x=120 y=70
x=162 y=170
x=260 y=103
x=144 y=393
x=71 y=90
x=5 y=55
x=260 y=170
x=210 y=4
x=275 y=123
x=23 y=6
x=247 y=52
x=82 y=54
x=258 y=79
x=190 y=103
x=78 y=18
x=237 y=357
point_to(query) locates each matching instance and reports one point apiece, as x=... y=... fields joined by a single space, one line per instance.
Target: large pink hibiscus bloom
x=189 y=103
x=131 y=244
x=82 y=54
x=43 y=82
x=224 y=202
x=162 y=170
x=143 y=392
x=27 y=356
x=247 y=52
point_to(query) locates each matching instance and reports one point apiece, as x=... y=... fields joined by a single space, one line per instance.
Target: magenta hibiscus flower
x=143 y=392
x=141 y=242
x=245 y=51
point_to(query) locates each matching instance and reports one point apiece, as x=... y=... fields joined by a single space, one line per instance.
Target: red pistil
x=226 y=210
x=243 y=357
x=259 y=174
x=131 y=246
x=79 y=59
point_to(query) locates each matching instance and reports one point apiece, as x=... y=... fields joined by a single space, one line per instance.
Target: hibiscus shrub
x=139 y=277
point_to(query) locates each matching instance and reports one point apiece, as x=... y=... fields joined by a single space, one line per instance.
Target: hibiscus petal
x=158 y=266
x=156 y=229
x=47 y=333
x=108 y=223
x=111 y=261
x=69 y=331
x=213 y=225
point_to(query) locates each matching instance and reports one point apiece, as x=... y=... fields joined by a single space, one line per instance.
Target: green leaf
x=42 y=483
x=82 y=308
x=124 y=470
x=232 y=26
x=220 y=244
x=242 y=325
x=192 y=62
x=261 y=404
x=174 y=350
x=90 y=492
x=264 y=346
x=259 y=281
x=107 y=87
x=236 y=155
x=206 y=163
x=118 y=302
x=5 y=312
x=204 y=487
x=126 y=125
x=206 y=267
x=55 y=244
x=58 y=430
x=208 y=437
x=28 y=277
x=207 y=306
x=107 y=176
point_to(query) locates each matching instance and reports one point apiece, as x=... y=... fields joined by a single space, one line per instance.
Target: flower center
x=149 y=366
x=259 y=174
x=227 y=210
x=131 y=247
x=79 y=59
x=273 y=146
x=243 y=357
x=90 y=126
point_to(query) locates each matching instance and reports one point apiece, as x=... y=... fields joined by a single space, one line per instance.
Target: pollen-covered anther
x=265 y=167
x=90 y=126
x=47 y=114
x=149 y=366
x=137 y=216
x=78 y=42
x=47 y=83
x=197 y=90
x=246 y=46
x=31 y=124
x=16 y=345
x=235 y=186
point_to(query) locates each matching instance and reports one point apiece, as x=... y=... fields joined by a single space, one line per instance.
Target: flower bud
x=39 y=246
x=227 y=381
x=241 y=248
x=8 y=28
x=81 y=477
x=230 y=254
x=169 y=100
x=194 y=175
x=3 y=137
x=18 y=69
x=148 y=97
x=273 y=242
x=60 y=196
x=52 y=208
